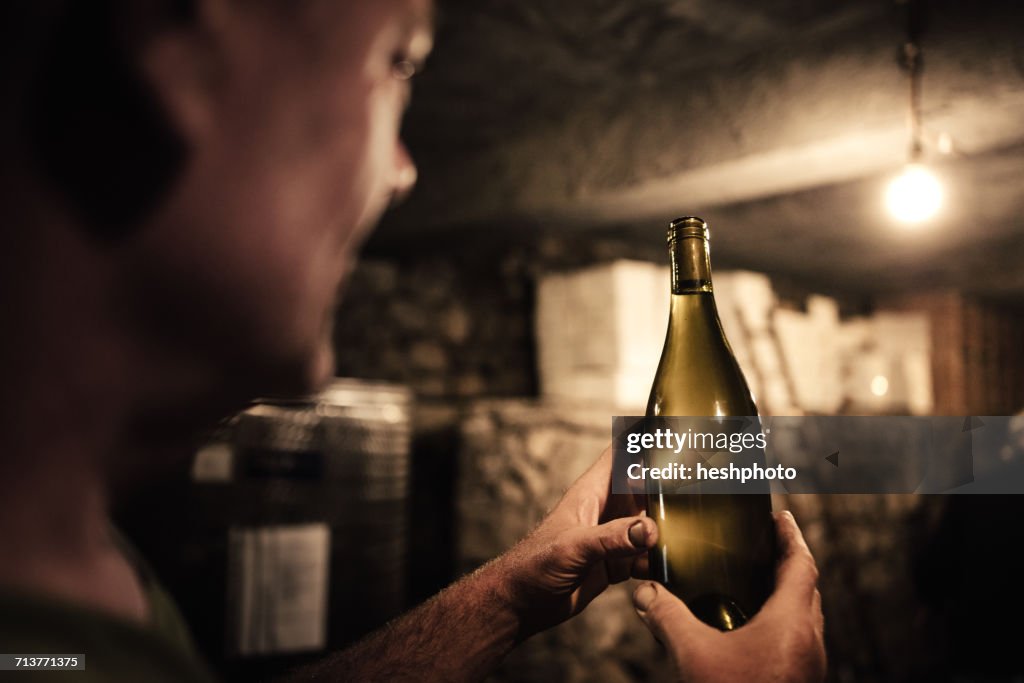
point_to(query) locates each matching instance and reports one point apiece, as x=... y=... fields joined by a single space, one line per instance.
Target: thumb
x=796 y=575
x=624 y=537
x=667 y=617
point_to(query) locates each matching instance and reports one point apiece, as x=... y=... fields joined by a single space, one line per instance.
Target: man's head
x=287 y=116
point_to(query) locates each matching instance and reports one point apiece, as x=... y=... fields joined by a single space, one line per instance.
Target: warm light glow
x=915 y=195
x=879 y=385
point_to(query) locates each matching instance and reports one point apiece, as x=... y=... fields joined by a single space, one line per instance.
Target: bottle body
x=715 y=551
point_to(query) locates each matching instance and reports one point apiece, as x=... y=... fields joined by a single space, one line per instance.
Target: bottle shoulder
x=699 y=401
x=698 y=374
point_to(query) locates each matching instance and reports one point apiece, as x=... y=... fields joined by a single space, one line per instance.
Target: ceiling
x=779 y=122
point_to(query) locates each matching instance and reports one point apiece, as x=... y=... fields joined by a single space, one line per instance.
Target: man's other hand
x=783 y=643
x=591 y=539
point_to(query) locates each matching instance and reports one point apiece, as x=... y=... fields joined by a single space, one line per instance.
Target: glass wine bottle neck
x=690 y=256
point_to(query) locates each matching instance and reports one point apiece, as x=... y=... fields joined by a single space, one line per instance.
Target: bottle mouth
x=687 y=226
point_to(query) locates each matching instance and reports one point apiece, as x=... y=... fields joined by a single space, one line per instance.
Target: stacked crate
x=600 y=333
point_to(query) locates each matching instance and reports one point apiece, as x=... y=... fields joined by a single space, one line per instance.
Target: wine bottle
x=716 y=552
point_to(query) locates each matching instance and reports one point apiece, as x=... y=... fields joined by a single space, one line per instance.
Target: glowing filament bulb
x=915 y=195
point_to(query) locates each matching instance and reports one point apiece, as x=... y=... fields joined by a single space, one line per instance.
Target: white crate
x=810 y=353
x=600 y=332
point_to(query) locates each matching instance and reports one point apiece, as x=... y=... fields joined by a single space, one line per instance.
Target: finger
x=586 y=499
x=624 y=537
x=796 y=575
x=596 y=481
x=619 y=569
x=624 y=505
x=641 y=567
x=590 y=497
x=630 y=499
x=668 y=618
x=593 y=585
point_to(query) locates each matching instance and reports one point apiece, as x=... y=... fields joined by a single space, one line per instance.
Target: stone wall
x=448 y=328
x=517 y=458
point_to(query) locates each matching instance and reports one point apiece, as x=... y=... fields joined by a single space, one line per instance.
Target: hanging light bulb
x=915 y=195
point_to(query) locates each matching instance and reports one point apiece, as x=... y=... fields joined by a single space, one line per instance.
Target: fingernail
x=638 y=534
x=644 y=595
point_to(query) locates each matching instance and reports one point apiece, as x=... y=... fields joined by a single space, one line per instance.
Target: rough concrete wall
x=516 y=459
x=550 y=106
x=448 y=328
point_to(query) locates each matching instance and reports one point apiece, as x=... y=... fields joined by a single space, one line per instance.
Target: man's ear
x=99 y=135
x=183 y=71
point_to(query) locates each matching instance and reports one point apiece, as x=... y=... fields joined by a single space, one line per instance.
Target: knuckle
x=612 y=539
x=560 y=546
x=569 y=547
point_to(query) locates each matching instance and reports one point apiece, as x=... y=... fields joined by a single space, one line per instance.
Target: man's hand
x=783 y=643
x=589 y=540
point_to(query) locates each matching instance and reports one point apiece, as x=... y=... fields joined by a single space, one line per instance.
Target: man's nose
x=405 y=172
